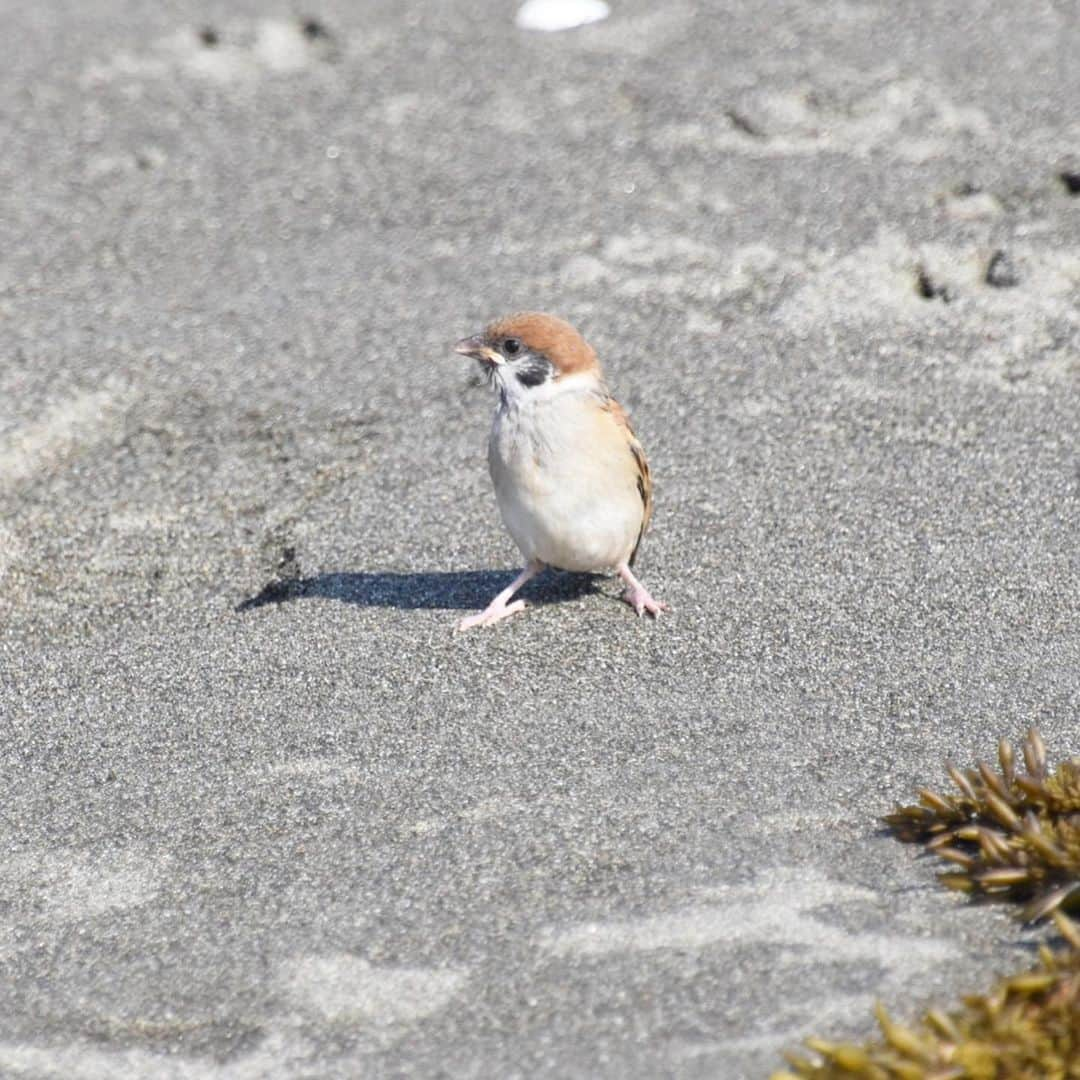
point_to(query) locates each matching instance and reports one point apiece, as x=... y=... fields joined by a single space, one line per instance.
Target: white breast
x=566 y=480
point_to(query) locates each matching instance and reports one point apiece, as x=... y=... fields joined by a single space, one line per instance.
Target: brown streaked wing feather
x=644 y=478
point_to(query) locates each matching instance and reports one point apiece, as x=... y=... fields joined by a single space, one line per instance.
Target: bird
x=571 y=478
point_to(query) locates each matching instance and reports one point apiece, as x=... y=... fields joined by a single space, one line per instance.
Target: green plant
x=1026 y=1028
x=1015 y=836
x=1009 y=834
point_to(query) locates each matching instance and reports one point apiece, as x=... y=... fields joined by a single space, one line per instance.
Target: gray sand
x=263 y=813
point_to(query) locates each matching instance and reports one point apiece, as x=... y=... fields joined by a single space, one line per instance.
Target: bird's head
x=523 y=352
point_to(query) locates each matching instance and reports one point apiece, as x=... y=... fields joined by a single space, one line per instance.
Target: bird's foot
x=500 y=607
x=639 y=598
x=491 y=614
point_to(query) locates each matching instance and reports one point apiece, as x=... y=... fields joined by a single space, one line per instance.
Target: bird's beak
x=478 y=349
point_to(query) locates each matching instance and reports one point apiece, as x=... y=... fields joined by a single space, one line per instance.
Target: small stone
x=1001 y=272
x=929 y=289
x=1071 y=179
x=312 y=29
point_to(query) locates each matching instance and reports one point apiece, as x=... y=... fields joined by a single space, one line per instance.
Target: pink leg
x=499 y=608
x=637 y=596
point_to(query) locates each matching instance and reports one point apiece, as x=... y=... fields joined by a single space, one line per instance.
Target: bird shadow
x=462 y=590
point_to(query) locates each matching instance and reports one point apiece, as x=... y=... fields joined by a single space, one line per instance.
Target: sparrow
x=571 y=479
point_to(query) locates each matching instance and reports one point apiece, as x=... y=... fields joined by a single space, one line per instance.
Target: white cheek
x=515 y=391
x=515 y=394
x=568 y=384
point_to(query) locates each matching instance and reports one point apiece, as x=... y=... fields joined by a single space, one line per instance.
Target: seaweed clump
x=1012 y=835
x=1026 y=1028
x=1009 y=834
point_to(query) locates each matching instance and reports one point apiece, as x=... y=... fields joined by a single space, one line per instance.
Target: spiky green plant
x=1026 y=1028
x=1015 y=836
x=1009 y=834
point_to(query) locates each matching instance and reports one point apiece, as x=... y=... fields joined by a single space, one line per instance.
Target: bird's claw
x=640 y=600
x=490 y=615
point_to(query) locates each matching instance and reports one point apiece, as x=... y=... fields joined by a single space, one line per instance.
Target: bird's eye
x=511 y=346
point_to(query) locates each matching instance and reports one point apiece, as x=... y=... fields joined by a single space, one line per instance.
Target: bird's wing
x=641 y=464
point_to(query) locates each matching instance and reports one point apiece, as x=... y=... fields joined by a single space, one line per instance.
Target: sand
x=264 y=814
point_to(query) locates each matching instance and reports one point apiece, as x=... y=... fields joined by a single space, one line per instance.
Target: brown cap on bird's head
x=554 y=338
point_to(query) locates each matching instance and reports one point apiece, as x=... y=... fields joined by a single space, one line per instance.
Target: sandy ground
x=262 y=813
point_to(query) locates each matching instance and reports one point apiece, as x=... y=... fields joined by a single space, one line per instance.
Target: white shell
x=560 y=14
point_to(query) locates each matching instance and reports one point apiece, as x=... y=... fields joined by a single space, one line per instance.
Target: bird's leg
x=499 y=608
x=637 y=596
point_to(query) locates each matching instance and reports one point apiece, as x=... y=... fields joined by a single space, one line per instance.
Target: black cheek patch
x=533 y=372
